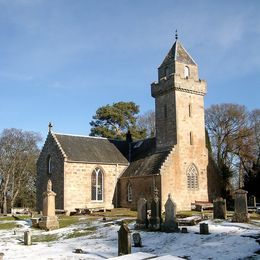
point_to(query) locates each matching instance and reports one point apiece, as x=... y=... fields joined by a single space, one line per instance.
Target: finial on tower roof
x=50 y=126
x=176 y=35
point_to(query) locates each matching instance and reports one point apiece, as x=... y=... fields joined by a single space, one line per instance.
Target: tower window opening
x=191 y=138
x=190 y=110
x=186 y=72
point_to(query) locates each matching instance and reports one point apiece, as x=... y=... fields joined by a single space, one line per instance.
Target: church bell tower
x=179 y=101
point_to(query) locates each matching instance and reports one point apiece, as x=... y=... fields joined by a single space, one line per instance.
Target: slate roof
x=90 y=149
x=178 y=53
x=144 y=159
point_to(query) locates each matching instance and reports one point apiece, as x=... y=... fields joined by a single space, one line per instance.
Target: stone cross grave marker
x=141 y=221
x=219 y=209
x=137 y=240
x=241 y=211
x=155 y=220
x=49 y=220
x=124 y=240
x=171 y=223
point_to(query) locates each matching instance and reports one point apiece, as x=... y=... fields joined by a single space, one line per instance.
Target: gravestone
x=137 y=240
x=171 y=223
x=252 y=201
x=155 y=220
x=204 y=229
x=27 y=238
x=141 y=221
x=124 y=240
x=49 y=220
x=241 y=212
x=219 y=209
x=184 y=230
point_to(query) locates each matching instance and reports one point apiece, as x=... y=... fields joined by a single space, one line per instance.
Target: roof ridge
x=85 y=136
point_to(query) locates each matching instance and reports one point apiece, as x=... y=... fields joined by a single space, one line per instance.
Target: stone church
x=99 y=173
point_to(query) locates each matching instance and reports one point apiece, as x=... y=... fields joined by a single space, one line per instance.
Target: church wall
x=165 y=120
x=142 y=186
x=190 y=149
x=77 y=181
x=174 y=178
x=50 y=148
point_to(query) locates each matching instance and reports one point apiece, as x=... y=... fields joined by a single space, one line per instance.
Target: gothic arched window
x=49 y=165
x=192 y=177
x=129 y=192
x=186 y=72
x=97 y=184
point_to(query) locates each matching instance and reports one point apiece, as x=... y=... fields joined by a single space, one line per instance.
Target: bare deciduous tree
x=18 y=155
x=231 y=138
x=147 y=121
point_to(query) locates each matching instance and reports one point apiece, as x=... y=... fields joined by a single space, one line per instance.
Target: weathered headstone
x=124 y=240
x=241 y=211
x=27 y=238
x=252 y=201
x=171 y=223
x=155 y=220
x=204 y=229
x=49 y=220
x=141 y=221
x=137 y=240
x=219 y=209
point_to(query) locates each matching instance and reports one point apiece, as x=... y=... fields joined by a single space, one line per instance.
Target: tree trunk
x=5 y=194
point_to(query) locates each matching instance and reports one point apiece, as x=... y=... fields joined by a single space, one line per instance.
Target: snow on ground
x=226 y=240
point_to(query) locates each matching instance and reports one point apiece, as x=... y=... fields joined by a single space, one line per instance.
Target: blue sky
x=62 y=59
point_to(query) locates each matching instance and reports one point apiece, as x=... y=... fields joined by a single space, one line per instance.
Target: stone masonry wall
x=174 y=178
x=50 y=148
x=77 y=183
x=141 y=186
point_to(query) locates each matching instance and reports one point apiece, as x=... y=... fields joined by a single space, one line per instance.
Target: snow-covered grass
x=97 y=239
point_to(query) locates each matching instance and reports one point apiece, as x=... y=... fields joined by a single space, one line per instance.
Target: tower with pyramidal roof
x=180 y=125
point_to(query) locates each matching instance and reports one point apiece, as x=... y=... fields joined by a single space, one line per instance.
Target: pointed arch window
x=192 y=177
x=97 y=185
x=186 y=72
x=129 y=192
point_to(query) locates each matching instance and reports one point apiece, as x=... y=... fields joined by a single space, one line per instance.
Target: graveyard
x=95 y=236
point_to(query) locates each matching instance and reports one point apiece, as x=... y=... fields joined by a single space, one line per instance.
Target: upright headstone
x=171 y=223
x=124 y=240
x=219 y=209
x=241 y=212
x=49 y=220
x=204 y=229
x=252 y=201
x=141 y=221
x=155 y=220
x=137 y=240
x=27 y=238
